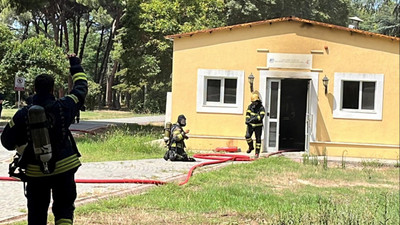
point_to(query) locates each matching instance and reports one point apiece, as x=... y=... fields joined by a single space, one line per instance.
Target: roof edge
x=290 y=18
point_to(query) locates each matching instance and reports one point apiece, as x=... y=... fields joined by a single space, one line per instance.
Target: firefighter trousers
x=249 y=132
x=62 y=187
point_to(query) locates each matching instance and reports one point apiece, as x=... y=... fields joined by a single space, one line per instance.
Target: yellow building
x=356 y=114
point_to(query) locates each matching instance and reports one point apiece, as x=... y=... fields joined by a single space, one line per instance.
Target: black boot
x=249 y=150
x=257 y=153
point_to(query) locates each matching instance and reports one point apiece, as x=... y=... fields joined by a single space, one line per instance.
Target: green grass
x=266 y=191
x=126 y=142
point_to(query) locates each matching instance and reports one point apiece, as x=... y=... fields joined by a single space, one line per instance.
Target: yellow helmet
x=255 y=97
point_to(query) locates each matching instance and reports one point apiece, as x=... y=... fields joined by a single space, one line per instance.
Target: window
x=358 y=96
x=220 y=91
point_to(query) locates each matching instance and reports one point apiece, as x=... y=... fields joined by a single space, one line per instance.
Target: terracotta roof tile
x=189 y=34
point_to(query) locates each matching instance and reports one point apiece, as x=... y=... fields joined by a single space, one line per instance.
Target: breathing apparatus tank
x=167 y=132
x=40 y=135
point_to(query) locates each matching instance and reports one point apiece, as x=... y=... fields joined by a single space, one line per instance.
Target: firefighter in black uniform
x=54 y=173
x=254 y=120
x=177 y=146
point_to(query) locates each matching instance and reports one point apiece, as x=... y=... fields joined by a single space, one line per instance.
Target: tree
x=147 y=55
x=329 y=11
x=380 y=16
x=30 y=58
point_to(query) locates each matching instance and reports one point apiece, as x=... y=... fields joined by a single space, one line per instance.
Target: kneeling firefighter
x=176 y=141
x=48 y=157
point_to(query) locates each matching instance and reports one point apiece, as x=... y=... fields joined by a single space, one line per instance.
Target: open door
x=275 y=87
x=273 y=110
x=309 y=115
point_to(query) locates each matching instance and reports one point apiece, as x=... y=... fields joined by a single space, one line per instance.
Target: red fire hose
x=219 y=158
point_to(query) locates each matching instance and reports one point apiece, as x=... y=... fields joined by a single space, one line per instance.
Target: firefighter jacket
x=178 y=136
x=255 y=115
x=60 y=114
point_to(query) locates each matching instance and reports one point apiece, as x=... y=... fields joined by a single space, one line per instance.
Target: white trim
x=355 y=144
x=375 y=114
x=203 y=106
x=216 y=137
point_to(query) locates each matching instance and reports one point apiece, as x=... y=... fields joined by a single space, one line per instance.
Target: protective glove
x=75 y=64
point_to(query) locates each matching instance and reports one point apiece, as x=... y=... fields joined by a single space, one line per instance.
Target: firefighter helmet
x=255 y=97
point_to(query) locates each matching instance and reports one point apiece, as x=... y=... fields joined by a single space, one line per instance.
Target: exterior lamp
x=325 y=82
x=251 y=81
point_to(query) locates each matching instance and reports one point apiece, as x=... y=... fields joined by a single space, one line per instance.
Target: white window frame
x=375 y=114
x=219 y=107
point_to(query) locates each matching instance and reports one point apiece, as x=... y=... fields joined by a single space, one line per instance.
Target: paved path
x=13 y=201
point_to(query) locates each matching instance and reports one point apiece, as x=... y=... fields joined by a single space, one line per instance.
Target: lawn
x=267 y=191
x=125 y=142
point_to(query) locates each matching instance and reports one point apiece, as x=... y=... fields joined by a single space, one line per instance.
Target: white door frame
x=312 y=97
x=272 y=141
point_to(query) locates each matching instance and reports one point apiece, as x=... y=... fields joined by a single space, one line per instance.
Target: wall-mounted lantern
x=325 y=82
x=251 y=81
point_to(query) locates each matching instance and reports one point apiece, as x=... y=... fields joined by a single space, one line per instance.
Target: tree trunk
x=96 y=73
x=110 y=83
x=104 y=62
x=88 y=25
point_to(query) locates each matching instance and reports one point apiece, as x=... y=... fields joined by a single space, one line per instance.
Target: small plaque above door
x=289 y=61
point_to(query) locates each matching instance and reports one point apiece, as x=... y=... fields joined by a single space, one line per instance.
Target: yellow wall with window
x=336 y=50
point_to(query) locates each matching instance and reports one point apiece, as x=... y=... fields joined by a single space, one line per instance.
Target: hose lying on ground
x=219 y=158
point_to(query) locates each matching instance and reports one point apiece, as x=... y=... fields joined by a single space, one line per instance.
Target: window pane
x=368 y=95
x=230 y=91
x=213 y=90
x=350 y=94
x=272 y=134
x=274 y=100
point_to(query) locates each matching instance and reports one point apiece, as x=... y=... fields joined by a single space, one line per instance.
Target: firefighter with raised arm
x=254 y=120
x=176 y=142
x=48 y=157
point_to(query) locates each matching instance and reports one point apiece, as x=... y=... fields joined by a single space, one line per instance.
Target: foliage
x=125 y=142
x=147 y=54
x=91 y=97
x=5 y=40
x=30 y=58
x=380 y=16
x=329 y=11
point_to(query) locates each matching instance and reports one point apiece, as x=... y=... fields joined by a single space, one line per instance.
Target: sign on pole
x=19 y=84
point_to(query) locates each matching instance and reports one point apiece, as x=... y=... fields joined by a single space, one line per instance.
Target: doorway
x=293 y=114
x=290 y=89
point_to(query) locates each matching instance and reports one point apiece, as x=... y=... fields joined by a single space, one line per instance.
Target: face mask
x=182 y=122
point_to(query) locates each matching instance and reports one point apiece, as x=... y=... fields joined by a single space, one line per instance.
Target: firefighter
x=50 y=158
x=254 y=120
x=176 y=151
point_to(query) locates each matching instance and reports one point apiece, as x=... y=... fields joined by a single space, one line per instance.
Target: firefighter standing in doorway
x=49 y=156
x=176 y=142
x=254 y=120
